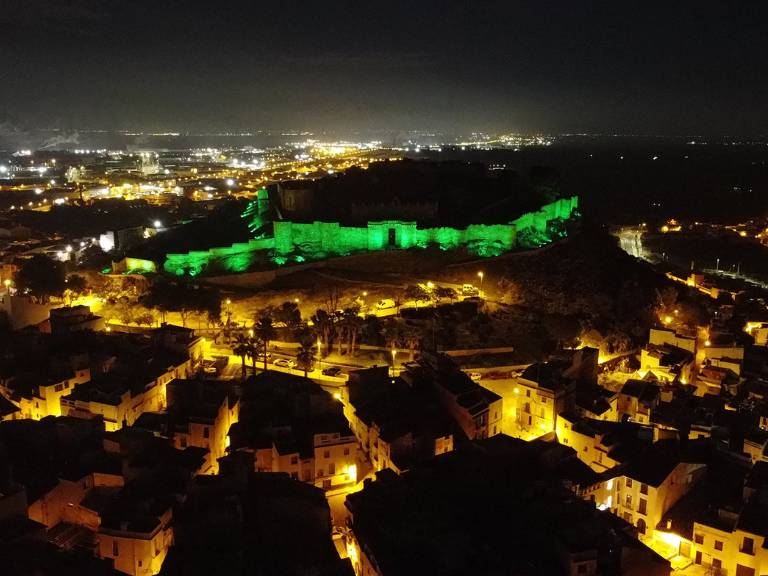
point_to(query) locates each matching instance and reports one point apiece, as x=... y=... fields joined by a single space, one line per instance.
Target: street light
x=481 y=275
x=394 y=353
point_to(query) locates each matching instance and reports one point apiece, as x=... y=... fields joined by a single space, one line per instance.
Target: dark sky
x=613 y=66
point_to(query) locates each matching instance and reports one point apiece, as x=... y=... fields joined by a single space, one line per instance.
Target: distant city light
x=230 y=182
x=157 y=224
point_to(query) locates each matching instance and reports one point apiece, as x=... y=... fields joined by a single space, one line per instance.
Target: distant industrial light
x=157 y=224
x=3 y=169
x=38 y=190
x=230 y=182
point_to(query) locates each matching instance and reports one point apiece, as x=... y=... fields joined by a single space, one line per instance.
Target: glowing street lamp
x=481 y=275
x=394 y=353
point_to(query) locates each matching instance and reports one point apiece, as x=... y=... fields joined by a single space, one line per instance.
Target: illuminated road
x=631 y=241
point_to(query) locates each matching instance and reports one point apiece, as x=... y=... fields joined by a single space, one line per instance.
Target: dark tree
x=42 y=277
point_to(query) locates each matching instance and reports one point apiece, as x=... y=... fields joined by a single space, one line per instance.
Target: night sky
x=673 y=67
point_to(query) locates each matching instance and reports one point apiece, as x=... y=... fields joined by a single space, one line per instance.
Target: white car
x=385 y=304
x=285 y=363
x=476 y=376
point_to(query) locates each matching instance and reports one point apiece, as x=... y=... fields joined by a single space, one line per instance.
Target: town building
x=396 y=423
x=477 y=410
x=523 y=486
x=292 y=425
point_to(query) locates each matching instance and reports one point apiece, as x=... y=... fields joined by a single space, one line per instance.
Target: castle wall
x=322 y=239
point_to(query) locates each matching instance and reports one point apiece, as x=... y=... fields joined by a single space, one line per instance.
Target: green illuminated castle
x=318 y=239
x=293 y=241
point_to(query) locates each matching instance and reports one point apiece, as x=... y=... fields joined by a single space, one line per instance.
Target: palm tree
x=254 y=350
x=352 y=324
x=241 y=348
x=392 y=332
x=323 y=323
x=305 y=358
x=265 y=332
x=412 y=337
x=340 y=328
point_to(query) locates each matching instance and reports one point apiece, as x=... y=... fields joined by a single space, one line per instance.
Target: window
x=748 y=546
x=628 y=483
x=717 y=563
x=628 y=501
x=346 y=451
x=528 y=393
x=718 y=545
x=320 y=473
x=327 y=454
x=294 y=459
x=206 y=432
x=644 y=489
x=115 y=549
x=331 y=468
x=698 y=538
x=641 y=506
x=744 y=570
x=641 y=526
x=295 y=475
x=628 y=517
x=183 y=441
x=139 y=563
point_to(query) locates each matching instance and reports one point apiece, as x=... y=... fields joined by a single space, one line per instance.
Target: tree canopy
x=42 y=277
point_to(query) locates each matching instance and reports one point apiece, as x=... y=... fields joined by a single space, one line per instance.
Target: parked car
x=476 y=376
x=285 y=363
x=385 y=304
x=332 y=371
x=469 y=290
